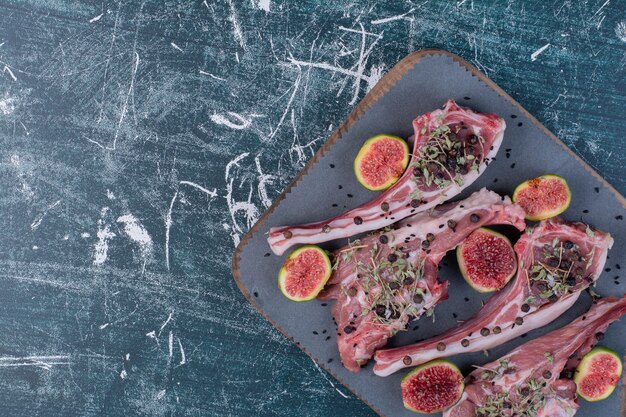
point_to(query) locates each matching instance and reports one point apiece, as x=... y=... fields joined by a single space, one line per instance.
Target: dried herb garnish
x=445 y=158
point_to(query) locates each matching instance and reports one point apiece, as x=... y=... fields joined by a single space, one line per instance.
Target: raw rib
x=590 y=248
x=531 y=364
x=357 y=284
x=411 y=194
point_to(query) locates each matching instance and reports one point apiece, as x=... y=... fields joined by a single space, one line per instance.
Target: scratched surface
x=141 y=140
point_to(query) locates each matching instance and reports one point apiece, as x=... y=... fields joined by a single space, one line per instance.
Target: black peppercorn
x=407 y=360
x=497 y=330
x=519 y=321
x=418 y=298
x=384 y=206
x=484 y=331
x=568 y=244
x=474 y=218
x=465 y=343
x=441 y=346
x=358 y=220
x=547 y=374
x=415 y=203
x=525 y=308
x=430 y=237
x=384 y=239
x=392 y=257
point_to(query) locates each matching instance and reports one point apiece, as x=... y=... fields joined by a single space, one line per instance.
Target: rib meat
x=557 y=260
x=452 y=147
x=383 y=280
x=502 y=388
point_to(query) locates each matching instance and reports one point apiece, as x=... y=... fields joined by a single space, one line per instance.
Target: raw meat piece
x=534 y=371
x=383 y=280
x=452 y=147
x=557 y=260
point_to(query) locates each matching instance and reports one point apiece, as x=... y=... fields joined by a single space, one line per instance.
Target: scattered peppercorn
x=408 y=281
x=415 y=203
x=465 y=343
x=418 y=298
x=407 y=360
x=497 y=330
x=287 y=234
x=525 y=308
x=519 y=321
x=384 y=206
x=392 y=257
x=451 y=224
x=474 y=218
x=430 y=237
x=352 y=292
x=441 y=346
x=547 y=374
x=326 y=229
x=484 y=331
x=568 y=244
x=384 y=239
x=599 y=336
x=358 y=220
x=348 y=329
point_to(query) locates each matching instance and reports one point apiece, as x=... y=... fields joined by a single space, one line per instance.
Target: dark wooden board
x=418 y=84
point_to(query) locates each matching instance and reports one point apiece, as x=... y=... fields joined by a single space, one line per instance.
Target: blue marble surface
x=140 y=140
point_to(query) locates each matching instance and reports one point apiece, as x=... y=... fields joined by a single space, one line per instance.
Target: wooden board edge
x=395 y=74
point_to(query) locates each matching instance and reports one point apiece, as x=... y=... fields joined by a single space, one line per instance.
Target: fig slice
x=597 y=374
x=432 y=387
x=543 y=197
x=487 y=260
x=304 y=273
x=381 y=162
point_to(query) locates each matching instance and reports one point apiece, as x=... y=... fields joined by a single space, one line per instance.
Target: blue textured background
x=140 y=140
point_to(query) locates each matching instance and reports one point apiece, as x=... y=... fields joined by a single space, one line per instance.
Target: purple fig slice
x=487 y=260
x=432 y=387
x=543 y=197
x=381 y=162
x=304 y=273
x=597 y=374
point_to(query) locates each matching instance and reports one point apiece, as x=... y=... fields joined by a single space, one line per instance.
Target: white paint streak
x=95 y=19
x=170 y=345
x=7 y=69
x=183 y=359
x=264 y=5
x=168 y=226
x=168 y=217
x=264 y=179
x=393 y=18
x=44 y=362
x=37 y=222
x=104 y=234
x=210 y=193
x=234 y=207
x=137 y=233
x=169 y=318
x=601 y=7
x=7 y=104
x=212 y=76
x=236 y=27
x=534 y=55
x=178 y=48
x=620 y=31
x=243 y=123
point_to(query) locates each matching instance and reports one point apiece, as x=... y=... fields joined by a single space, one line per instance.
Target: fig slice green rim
x=594 y=383
x=391 y=170
x=543 y=197
x=304 y=273
x=489 y=279
x=435 y=395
